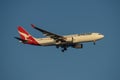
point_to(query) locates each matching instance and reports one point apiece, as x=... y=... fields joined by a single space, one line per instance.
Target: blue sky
x=26 y=62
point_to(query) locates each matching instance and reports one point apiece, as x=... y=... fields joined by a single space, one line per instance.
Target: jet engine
x=78 y=46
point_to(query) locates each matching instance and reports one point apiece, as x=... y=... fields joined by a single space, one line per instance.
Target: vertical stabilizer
x=24 y=35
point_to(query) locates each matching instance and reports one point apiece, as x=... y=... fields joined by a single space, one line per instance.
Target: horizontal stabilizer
x=24 y=41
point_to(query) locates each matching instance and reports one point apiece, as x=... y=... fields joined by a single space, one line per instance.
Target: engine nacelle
x=78 y=46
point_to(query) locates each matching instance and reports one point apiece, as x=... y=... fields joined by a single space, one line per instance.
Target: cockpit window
x=99 y=34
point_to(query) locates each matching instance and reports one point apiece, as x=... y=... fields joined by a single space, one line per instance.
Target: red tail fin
x=23 y=33
x=26 y=36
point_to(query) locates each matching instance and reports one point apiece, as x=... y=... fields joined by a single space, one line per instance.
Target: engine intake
x=78 y=46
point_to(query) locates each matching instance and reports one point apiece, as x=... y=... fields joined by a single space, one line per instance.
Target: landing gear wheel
x=63 y=50
x=94 y=42
x=57 y=46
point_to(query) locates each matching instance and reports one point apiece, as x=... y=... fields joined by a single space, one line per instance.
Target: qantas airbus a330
x=74 y=41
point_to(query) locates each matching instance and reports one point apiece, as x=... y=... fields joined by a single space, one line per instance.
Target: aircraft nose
x=102 y=36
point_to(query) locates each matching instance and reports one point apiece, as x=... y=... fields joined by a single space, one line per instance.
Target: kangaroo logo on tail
x=24 y=35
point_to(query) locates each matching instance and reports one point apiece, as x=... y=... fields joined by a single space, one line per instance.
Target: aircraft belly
x=45 y=42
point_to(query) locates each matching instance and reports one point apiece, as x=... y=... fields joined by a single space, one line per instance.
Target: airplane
x=52 y=39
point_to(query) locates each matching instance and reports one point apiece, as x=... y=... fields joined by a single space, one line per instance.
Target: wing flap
x=50 y=34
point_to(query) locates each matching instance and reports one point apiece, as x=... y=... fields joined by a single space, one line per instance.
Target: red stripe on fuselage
x=31 y=40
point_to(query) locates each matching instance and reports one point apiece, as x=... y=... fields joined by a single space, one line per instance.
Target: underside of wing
x=49 y=34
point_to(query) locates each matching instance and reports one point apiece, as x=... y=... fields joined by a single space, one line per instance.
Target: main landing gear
x=63 y=48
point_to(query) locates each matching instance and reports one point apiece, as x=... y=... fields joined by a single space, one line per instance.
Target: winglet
x=33 y=25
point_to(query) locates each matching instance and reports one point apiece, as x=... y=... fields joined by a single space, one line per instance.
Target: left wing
x=56 y=37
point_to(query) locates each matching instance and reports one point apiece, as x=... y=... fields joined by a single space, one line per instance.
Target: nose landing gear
x=94 y=42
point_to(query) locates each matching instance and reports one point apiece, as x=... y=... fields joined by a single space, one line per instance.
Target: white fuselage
x=52 y=39
x=76 y=38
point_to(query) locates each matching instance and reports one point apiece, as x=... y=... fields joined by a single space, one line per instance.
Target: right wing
x=51 y=35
